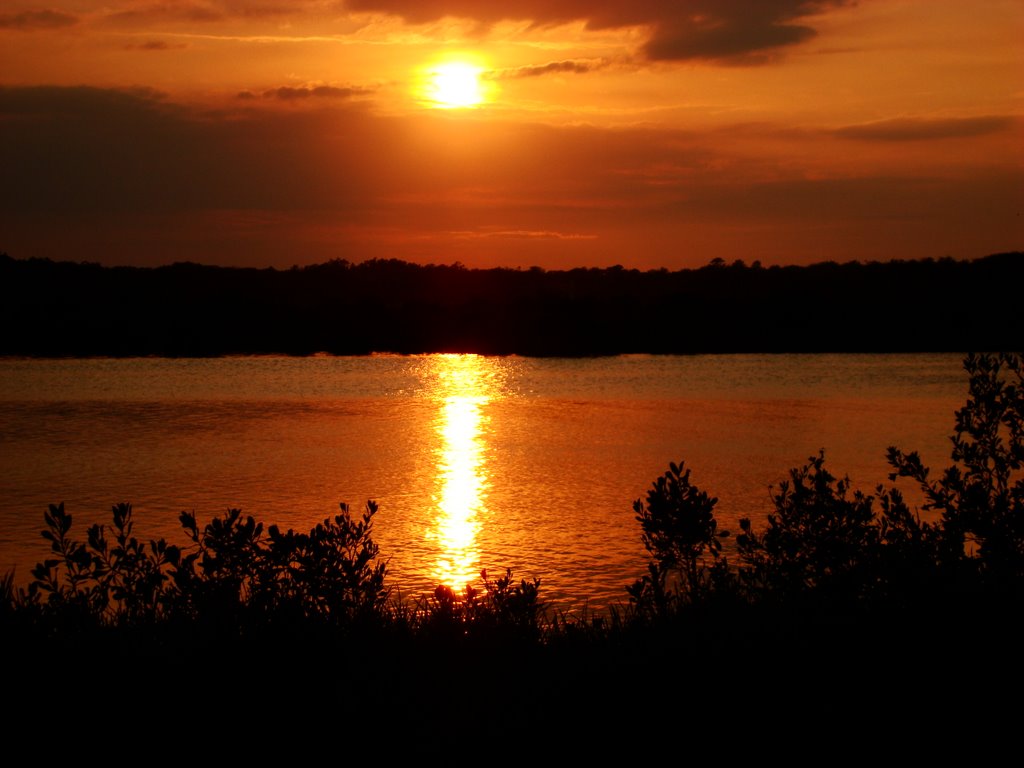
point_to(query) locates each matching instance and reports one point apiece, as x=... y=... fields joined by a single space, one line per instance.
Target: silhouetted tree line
x=78 y=309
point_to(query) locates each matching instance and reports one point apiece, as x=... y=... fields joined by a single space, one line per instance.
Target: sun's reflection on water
x=463 y=386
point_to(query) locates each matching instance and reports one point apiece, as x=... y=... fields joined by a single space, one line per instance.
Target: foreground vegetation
x=840 y=587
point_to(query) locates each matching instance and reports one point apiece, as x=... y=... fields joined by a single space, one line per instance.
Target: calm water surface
x=476 y=462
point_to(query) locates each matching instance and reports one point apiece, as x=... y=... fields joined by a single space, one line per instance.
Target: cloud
x=571 y=66
x=743 y=38
x=291 y=93
x=209 y=11
x=731 y=31
x=927 y=129
x=160 y=12
x=520 y=234
x=32 y=20
x=52 y=103
x=154 y=45
x=95 y=151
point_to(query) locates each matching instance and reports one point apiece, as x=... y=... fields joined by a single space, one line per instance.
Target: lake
x=476 y=462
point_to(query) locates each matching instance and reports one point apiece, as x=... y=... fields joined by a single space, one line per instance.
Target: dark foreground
x=809 y=692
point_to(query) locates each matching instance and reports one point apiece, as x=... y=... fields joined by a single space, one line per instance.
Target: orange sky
x=647 y=133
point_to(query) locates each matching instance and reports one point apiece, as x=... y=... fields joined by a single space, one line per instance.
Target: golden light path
x=462 y=390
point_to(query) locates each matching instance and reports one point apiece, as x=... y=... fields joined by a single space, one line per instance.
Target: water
x=476 y=462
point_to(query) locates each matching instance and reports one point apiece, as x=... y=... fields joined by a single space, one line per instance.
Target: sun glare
x=455 y=85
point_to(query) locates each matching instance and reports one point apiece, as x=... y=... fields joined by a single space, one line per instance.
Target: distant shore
x=67 y=309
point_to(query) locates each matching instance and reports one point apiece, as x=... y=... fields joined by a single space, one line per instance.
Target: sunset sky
x=647 y=133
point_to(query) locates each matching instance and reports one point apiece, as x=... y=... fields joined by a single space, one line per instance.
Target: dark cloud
x=154 y=45
x=571 y=66
x=83 y=150
x=51 y=102
x=212 y=10
x=178 y=11
x=289 y=93
x=260 y=9
x=924 y=129
x=746 y=31
x=744 y=39
x=520 y=234
x=31 y=20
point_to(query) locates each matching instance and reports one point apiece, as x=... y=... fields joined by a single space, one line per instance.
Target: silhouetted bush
x=826 y=544
x=504 y=609
x=981 y=495
x=831 y=548
x=234 y=581
x=231 y=579
x=679 y=530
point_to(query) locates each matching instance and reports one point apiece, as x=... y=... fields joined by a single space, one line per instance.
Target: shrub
x=826 y=542
x=980 y=497
x=329 y=575
x=818 y=538
x=829 y=544
x=504 y=607
x=680 y=533
x=96 y=582
x=229 y=578
x=233 y=579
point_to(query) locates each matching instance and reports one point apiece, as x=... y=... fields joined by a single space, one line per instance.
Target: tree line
x=184 y=309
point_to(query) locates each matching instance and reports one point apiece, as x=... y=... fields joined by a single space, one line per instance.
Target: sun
x=455 y=85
